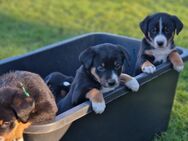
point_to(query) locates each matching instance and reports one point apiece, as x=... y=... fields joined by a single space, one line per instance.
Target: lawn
x=30 y=24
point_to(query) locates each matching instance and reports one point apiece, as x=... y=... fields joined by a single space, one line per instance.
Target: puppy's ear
x=22 y=106
x=124 y=54
x=86 y=57
x=178 y=24
x=144 y=25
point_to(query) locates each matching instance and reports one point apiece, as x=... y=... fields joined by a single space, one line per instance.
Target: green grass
x=29 y=24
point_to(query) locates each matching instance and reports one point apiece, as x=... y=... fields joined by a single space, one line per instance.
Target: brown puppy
x=24 y=100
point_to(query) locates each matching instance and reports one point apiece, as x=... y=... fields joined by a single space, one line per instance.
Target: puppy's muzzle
x=112 y=82
x=160 y=41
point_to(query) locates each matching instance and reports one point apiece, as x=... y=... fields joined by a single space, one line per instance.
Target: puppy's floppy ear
x=178 y=24
x=144 y=25
x=124 y=53
x=86 y=57
x=23 y=106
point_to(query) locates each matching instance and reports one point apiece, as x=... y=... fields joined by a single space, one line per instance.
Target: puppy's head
x=104 y=62
x=59 y=83
x=159 y=29
x=14 y=107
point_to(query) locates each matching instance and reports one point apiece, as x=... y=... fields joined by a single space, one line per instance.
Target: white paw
x=149 y=69
x=178 y=68
x=98 y=108
x=133 y=85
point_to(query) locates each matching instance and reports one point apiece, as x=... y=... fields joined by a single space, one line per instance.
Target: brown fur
x=125 y=78
x=175 y=59
x=95 y=95
x=11 y=91
x=17 y=131
x=93 y=71
x=146 y=64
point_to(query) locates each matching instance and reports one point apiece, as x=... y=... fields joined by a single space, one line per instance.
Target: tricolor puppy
x=158 y=44
x=59 y=84
x=100 y=72
x=25 y=99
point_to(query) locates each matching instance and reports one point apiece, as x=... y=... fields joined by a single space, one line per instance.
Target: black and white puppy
x=100 y=72
x=59 y=84
x=158 y=44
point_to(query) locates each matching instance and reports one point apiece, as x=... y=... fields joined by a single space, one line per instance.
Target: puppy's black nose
x=111 y=82
x=160 y=43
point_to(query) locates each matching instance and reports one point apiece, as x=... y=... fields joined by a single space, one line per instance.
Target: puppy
x=99 y=73
x=158 y=44
x=24 y=100
x=59 y=84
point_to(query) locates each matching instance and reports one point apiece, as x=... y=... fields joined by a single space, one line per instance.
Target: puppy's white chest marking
x=161 y=54
x=105 y=89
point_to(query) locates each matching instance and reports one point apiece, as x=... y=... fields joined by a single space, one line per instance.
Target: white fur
x=149 y=69
x=160 y=38
x=20 y=139
x=161 y=54
x=98 y=108
x=115 y=77
x=66 y=83
x=178 y=68
x=133 y=85
x=107 y=89
x=160 y=25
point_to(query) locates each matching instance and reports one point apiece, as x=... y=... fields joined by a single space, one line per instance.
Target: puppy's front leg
x=176 y=61
x=148 y=67
x=97 y=100
x=130 y=82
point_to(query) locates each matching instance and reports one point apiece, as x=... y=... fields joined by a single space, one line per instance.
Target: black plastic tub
x=128 y=116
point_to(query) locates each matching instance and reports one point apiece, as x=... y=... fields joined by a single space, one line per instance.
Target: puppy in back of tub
x=158 y=44
x=100 y=72
x=59 y=84
x=25 y=99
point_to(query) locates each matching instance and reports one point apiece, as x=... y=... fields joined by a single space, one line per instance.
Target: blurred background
x=26 y=25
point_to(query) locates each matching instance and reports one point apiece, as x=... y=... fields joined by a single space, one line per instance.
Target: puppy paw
x=149 y=69
x=133 y=85
x=178 y=68
x=98 y=107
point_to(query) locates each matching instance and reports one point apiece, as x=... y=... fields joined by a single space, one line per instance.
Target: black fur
x=150 y=27
x=56 y=82
x=84 y=80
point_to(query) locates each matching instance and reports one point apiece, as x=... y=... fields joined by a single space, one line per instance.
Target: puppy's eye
x=154 y=30
x=100 y=68
x=166 y=29
x=117 y=66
